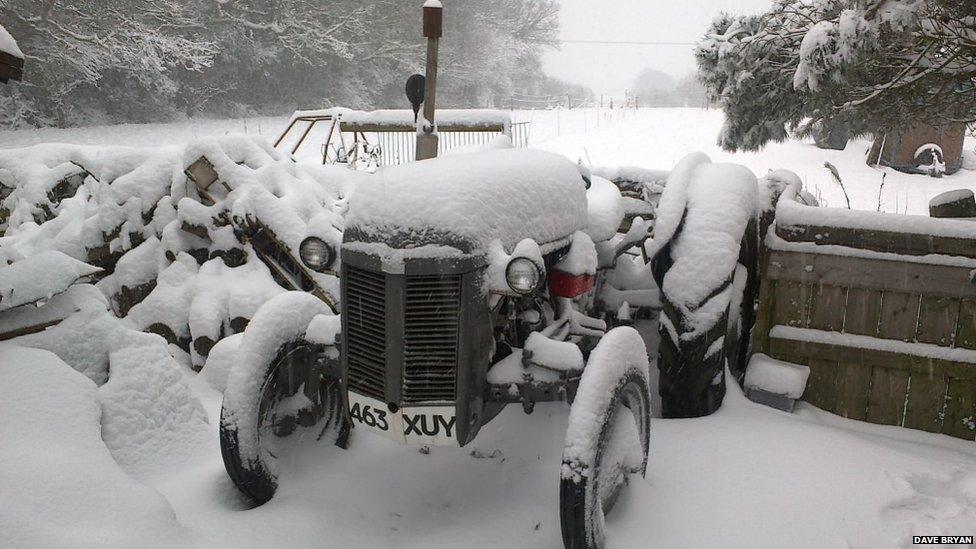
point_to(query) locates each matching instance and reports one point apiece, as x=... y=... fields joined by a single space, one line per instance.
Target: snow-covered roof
x=471 y=118
x=504 y=195
x=8 y=44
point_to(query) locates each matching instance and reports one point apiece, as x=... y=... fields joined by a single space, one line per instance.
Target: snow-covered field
x=651 y=138
x=136 y=461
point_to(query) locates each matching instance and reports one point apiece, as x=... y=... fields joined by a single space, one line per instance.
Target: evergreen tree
x=867 y=65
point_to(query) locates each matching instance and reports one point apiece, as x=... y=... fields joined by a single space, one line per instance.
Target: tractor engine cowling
x=416 y=346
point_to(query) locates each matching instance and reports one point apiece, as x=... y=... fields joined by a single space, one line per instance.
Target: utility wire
x=628 y=42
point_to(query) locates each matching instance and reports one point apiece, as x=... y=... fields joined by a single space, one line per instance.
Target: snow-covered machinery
x=367 y=140
x=37 y=292
x=469 y=282
x=190 y=240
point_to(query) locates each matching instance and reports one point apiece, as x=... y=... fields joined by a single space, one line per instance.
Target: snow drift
x=61 y=485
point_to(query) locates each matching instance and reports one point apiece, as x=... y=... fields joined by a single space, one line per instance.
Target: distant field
x=653 y=138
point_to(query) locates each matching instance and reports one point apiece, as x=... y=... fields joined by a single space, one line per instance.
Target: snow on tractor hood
x=468 y=201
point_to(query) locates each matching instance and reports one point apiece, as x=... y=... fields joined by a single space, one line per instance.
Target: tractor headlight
x=522 y=275
x=316 y=253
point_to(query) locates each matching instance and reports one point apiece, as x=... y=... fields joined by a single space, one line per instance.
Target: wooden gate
x=881 y=307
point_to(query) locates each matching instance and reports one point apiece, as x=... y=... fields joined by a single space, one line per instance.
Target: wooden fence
x=885 y=320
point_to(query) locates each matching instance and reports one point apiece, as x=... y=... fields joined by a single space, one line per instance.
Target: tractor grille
x=430 y=339
x=430 y=312
x=365 y=325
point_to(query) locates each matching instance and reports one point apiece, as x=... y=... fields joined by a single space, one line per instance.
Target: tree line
x=95 y=61
x=654 y=88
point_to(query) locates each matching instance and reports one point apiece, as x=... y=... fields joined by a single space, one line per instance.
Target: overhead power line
x=628 y=42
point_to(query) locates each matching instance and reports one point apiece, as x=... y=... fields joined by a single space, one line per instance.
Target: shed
x=899 y=149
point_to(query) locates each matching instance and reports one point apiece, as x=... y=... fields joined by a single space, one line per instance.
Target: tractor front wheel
x=608 y=437
x=278 y=391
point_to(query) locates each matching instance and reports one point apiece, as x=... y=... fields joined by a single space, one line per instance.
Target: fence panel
x=885 y=320
x=400 y=147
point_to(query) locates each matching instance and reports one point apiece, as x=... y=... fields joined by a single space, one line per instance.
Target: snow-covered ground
x=121 y=465
x=748 y=476
x=659 y=138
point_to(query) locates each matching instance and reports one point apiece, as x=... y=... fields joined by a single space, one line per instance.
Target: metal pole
x=430 y=94
x=426 y=138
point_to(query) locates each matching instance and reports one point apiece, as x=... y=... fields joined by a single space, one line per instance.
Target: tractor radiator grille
x=365 y=325
x=430 y=339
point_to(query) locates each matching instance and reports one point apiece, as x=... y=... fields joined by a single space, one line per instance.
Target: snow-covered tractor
x=468 y=282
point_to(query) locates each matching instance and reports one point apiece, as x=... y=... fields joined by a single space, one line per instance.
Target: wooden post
x=957 y=203
x=433 y=25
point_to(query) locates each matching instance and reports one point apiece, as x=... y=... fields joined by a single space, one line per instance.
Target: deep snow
x=748 y=476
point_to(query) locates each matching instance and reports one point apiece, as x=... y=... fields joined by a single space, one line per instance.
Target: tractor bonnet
x=469 y=200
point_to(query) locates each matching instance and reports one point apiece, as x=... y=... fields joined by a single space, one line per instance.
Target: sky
x=611 y=69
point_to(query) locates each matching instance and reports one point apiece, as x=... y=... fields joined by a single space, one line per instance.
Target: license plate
x=413 y=425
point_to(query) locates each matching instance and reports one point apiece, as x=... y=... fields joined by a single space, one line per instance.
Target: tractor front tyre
x=277 y=392
x=608 y=437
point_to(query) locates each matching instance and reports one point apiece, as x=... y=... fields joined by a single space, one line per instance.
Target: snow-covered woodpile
x=173 y=260
x=881 y=308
